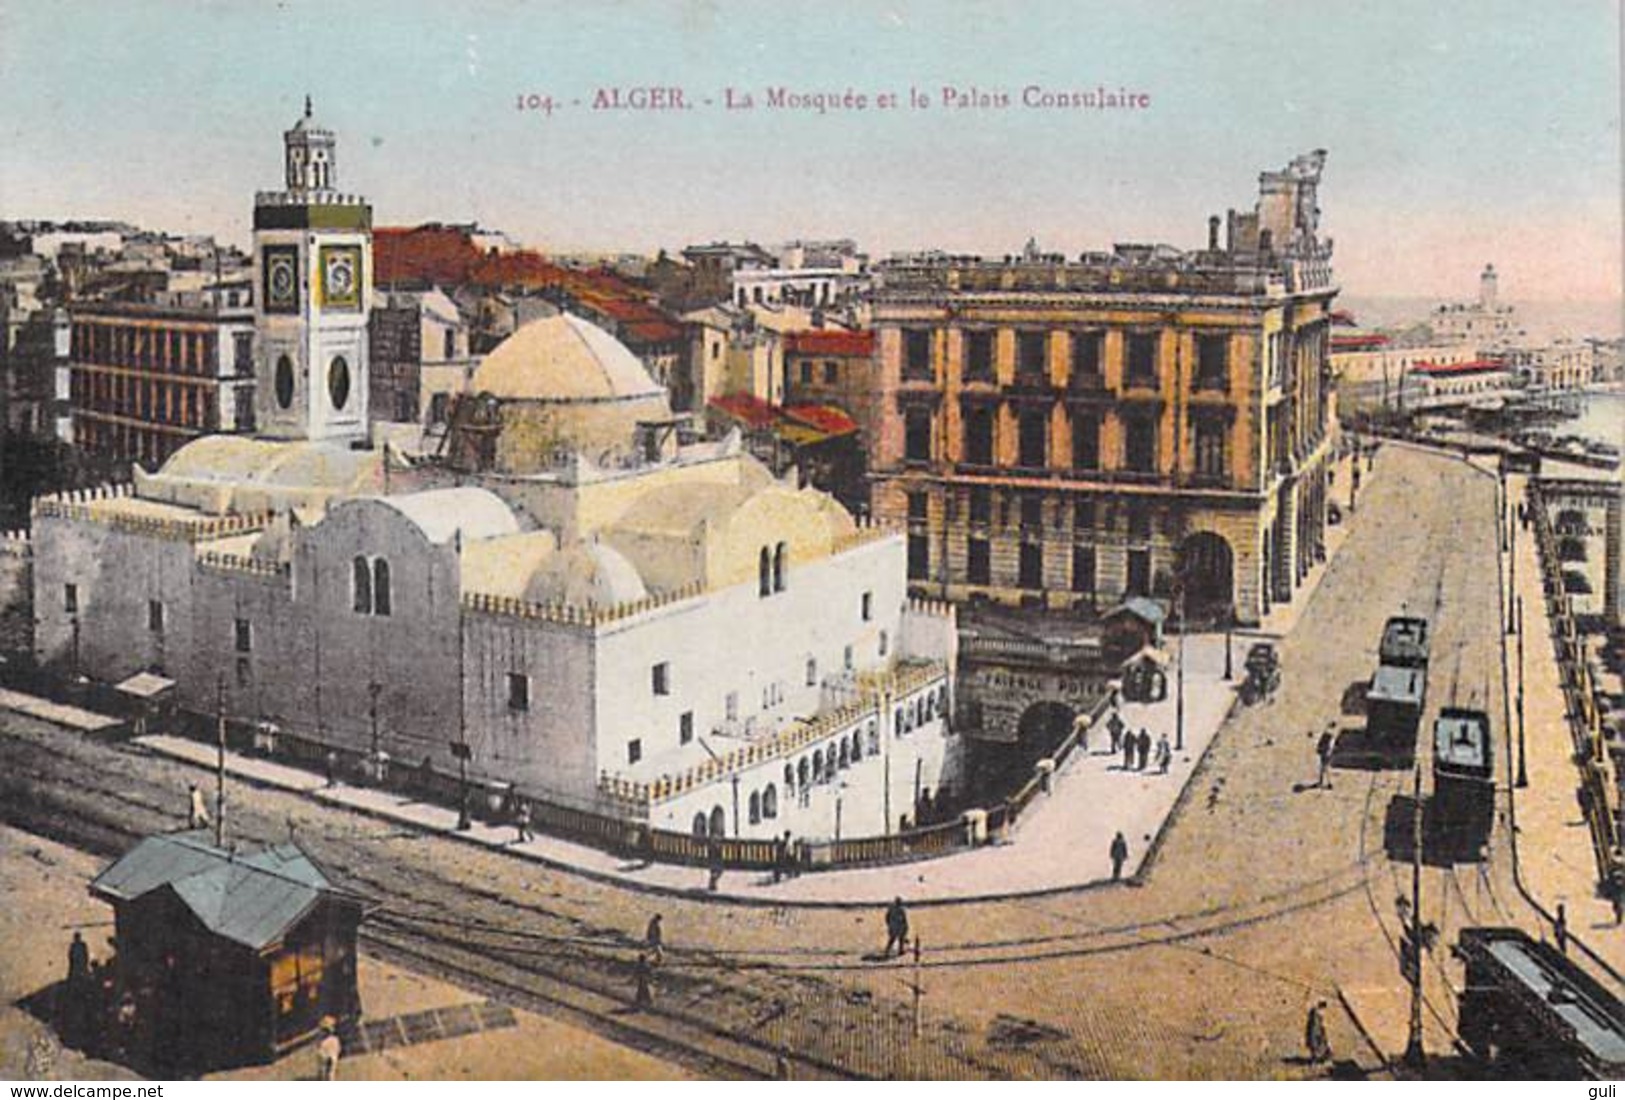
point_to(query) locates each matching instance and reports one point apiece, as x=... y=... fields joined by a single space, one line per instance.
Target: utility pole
x=1523 y=769
x=1415 y=1057
x=1229 y=634
x=1179 y=673
x=220 y=760
x=918 y=989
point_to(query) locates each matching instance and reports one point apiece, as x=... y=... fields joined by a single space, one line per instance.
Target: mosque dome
x=589 y=574
x=563 y=359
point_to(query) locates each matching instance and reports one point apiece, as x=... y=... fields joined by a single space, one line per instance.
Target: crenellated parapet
x=240 y=564
x=91 y=506
x=874 y=690
x=575 y=614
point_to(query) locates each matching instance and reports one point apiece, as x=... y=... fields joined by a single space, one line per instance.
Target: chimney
x=1213 y=233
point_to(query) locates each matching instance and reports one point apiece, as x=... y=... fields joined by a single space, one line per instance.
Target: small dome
x=588 y=574
x=562 y=359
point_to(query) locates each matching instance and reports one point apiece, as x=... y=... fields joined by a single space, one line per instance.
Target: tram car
x=1463 y=779
x=1405 y=641
x=1527 y=1011
x=1398 y=689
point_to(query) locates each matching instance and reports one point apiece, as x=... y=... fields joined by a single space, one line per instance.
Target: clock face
x=341 y=277
x=281 y=280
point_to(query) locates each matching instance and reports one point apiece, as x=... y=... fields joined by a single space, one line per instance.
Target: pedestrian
x=329 y=1050
x=1130 y=743
x=1119 y=853
x=521 y=822
x=781 y=856
x=1144 y=747
x=78 y=960
x=1323 y=750
x=1314 y=1034
x=714 y=857
x=1560 y=928
x=643 y=996
x=1114 y=726
x=1165 y=754
x=896 y=927
x=198 y=816
x=331 y=763
x=653 y=939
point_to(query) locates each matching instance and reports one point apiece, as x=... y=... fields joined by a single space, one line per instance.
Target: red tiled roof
x=826 y=418
x=747 y=408
x=830 y=341
x=1471 y=367
x=654 y=332
x=1363 y=342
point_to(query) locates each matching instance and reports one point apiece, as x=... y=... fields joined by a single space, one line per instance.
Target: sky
x=1459 y=132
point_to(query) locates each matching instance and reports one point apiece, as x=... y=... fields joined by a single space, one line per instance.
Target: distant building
x=1071 y=434
x=1485 y=323
x=1431 y=387
x=420 y=356
x=813 y=274
x=148 y=378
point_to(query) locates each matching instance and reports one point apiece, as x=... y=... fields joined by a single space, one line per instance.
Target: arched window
x=845 y=758
x=770 y=802
x=380 y=586
x=857 y=747
x=818 y=765
x=789 y=778
x=755 y=808
x=699 y=823
x=719 y=821
x=897 y=722
x=803 y=774
x=764 y=574
x=363 y=586
x=781 y=560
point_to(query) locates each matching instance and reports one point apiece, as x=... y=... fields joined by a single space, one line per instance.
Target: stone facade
x=1067 y=434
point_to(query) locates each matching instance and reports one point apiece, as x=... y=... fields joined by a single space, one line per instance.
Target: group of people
x=1136 y=747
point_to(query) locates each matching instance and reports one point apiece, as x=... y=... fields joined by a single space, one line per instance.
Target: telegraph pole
x=918 y=990
x=220 y=760
x=1415 y=1057
x=1179 y=674
x=1523 y=768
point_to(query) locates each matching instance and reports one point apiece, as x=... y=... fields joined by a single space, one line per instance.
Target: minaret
x=313 y=252
x=1486 y=288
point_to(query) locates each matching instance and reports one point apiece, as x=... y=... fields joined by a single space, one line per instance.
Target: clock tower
x=313 y=253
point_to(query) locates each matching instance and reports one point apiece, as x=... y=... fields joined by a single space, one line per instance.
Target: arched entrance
x=719 y=822
x=1207 y=566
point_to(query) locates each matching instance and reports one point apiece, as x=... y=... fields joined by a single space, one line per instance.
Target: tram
x=1398 y=689
x=1463 y=779
x=1530 y=1012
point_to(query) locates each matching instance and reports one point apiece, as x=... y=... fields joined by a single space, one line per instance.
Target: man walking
x=1323 y=750
x=654 y=940
x=198 y=816
x=1114 y=726
x=1144 y=747
x=714 y=854
x=1165 y=754
x=1130 y=742
x=1314 y=1034
x=521 y=822
x=1119 y=855
x=896 y=927
x=781 y=857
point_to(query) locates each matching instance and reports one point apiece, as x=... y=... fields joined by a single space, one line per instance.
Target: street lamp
x=461 y=751
x=1179 y=673
x=1229 y=635
x=1523 y=769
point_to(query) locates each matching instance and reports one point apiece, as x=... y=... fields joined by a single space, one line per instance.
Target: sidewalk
x=1062 y=842
x=1553 y=842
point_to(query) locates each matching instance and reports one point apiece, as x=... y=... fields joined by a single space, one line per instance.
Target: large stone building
x=1066 y=434
x=600 y=615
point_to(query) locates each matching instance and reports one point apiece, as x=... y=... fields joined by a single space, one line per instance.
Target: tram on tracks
x=1529 y=1011
x=1463 y=779
x=1398 y=689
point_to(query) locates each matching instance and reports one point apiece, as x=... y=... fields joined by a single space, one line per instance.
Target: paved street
x=1267 y=892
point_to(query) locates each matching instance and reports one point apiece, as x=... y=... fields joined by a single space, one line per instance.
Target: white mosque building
x=595 y=614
